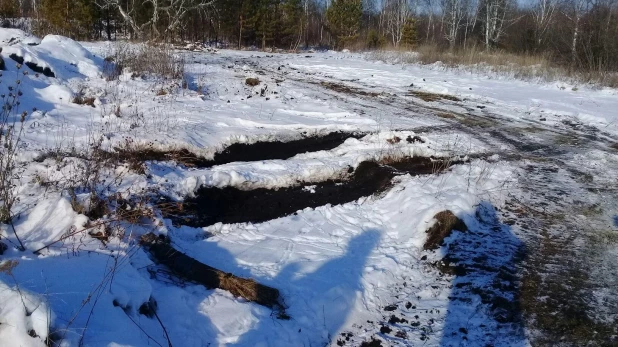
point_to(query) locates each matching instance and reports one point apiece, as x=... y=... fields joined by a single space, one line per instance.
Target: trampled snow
x=337 y=267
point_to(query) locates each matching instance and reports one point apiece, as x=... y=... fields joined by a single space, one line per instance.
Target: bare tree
x=430 y=8
x=493 y=18
x=173 y=10
x=543 y=15
x=452 y=17
x=574 y=10
x=396 y=13
x=471 y=17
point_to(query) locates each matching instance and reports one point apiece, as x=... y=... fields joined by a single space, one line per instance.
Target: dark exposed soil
x=136 y=157
x=372 y=343
x=44 y=70
x=282 y=150
x=429 y=97
x=242 y=151
x=342 y=88
x=34 y=67
x=16 y=58
x=231 y=205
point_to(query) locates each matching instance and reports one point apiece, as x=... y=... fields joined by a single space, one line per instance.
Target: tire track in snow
x=545 y=149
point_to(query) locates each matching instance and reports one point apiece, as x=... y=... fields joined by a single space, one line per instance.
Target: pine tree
x=344 y=18
x=265 y=19
x=408 y=34
x=374 y=39
x=73 y=18
x=292 y=23
x=8 y=9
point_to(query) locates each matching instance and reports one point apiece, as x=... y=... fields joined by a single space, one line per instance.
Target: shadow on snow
x=484 y=307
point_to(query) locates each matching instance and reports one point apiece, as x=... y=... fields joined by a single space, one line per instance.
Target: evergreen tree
x=265 y=22
x=72 y=18
x=375 y=40
x=8 y=9
x=344 y=19
x=292 y=23
x=408 y=34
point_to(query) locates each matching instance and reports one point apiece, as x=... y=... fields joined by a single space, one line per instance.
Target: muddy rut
x=567 y=260
x=261 y=150
x=231 y=205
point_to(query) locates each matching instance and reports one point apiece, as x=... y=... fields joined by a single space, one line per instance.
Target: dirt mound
x=446 y=222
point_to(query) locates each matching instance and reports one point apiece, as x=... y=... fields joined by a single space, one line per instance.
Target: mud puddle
x=230 y=205
x=241 y=151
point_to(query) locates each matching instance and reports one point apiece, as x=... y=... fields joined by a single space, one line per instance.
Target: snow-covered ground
x=537 y=177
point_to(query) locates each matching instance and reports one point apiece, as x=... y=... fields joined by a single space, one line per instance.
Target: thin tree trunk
x=574 y=41
x=240 y=34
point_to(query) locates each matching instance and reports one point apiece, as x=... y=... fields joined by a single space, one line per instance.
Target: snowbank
x=14 y=36
x=54 y=56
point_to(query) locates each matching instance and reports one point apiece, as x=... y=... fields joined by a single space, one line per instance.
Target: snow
x=337 y=267
x=14 y=36
x=307 y=167
x=66 y=58
x=554 y=101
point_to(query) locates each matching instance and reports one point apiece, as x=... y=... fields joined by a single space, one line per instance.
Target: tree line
x=577 y=33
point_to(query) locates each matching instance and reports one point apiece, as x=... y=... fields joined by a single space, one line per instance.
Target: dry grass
x=81 y=100
x=429 y=54
x=144 y=59
x=528 y=67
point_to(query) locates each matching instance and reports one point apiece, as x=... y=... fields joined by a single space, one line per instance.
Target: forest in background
x=578 y=34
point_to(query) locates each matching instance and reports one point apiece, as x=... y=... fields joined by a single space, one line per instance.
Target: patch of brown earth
x=446 y=222
x=431 y=97
x=230 y=205
x=342 y=88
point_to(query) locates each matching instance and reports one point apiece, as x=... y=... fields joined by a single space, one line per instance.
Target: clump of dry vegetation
x=82 y=100
x=143 y=60
x=252 y=81
x=11 y=132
